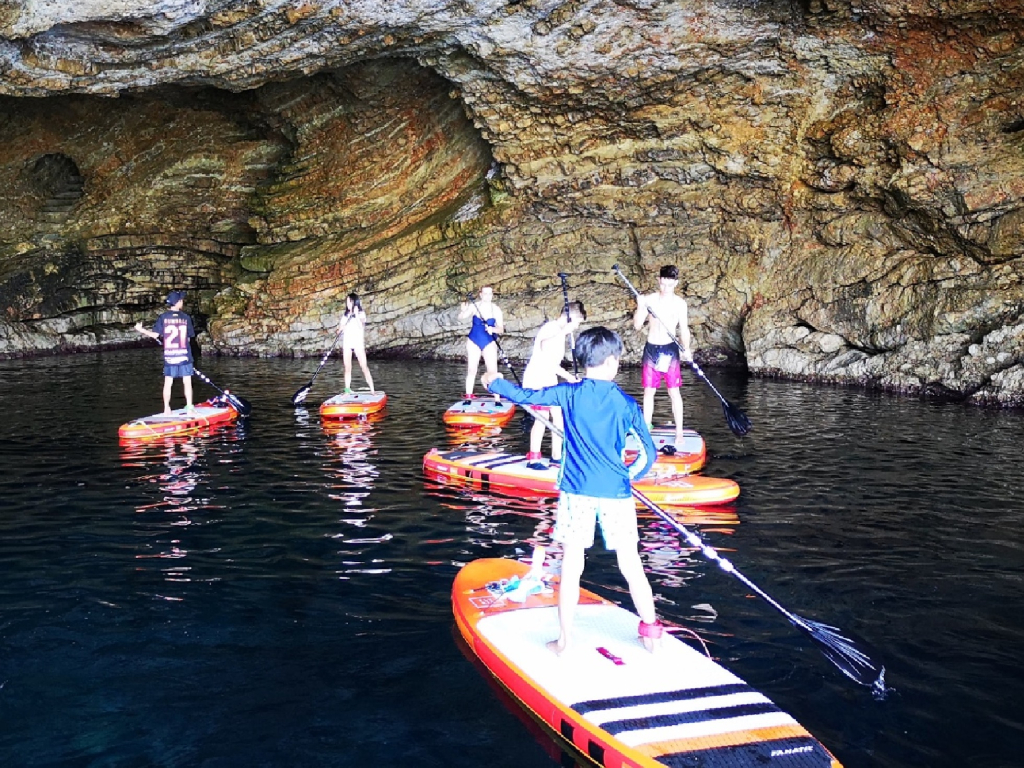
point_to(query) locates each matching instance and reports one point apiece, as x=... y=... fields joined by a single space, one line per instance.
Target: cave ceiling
x=841 y=182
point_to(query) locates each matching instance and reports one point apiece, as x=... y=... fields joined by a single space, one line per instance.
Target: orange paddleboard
x=609 y=698
x=205 y=414
x=685 y=456
x=480 y=412
x=353 y=405
x=507 y=474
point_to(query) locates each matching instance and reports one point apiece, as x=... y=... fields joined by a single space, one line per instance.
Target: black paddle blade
x=849 y=659
x=300 y=394
x=240 y=404
x=736 y=419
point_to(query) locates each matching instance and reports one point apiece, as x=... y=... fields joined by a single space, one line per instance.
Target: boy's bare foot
x=650 y=644
x=680 y=437
x=557 y=647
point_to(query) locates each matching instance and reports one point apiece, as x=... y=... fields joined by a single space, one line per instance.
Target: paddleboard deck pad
x=688 y=455
x=615 y=702
x=206 y=414
x=507 y=474
x=352 y=405
x=480 y=412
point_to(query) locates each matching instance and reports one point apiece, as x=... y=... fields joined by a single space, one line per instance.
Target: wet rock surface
x=841 y=182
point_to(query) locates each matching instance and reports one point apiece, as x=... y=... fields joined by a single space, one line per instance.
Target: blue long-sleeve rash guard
x=598 y=416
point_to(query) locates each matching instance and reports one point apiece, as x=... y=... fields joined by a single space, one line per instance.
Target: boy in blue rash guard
x=595 y=483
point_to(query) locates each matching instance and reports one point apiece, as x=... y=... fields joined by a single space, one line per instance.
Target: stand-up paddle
x=530 y=415
x=836 y=647
x=302 y=392
x=240 y=404
x=572 y=337
x=736 y=419
x=494 y=338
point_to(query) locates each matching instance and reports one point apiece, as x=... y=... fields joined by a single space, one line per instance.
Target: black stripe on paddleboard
x=685 y=718
x=504 y=461
x=459 y=455
x=686 y=694
x=479 y=460
x=801 y=752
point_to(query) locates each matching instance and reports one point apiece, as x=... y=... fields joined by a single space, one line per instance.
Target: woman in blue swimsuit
x=487 y=323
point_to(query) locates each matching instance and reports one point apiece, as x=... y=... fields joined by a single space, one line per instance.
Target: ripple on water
x=278 y=592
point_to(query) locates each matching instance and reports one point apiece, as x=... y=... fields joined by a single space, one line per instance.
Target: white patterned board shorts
x=576 y=515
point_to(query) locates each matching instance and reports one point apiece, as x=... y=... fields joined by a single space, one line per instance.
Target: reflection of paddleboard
x=480 y=412
x=611 y=699
x=689 y=456
x=352 y=405
x=507 y=473
x=205 y=414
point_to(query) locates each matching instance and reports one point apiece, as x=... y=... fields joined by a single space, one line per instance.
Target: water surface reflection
x=279 y=593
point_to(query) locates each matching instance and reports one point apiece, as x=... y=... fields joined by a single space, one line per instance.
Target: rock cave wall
x=841 y=182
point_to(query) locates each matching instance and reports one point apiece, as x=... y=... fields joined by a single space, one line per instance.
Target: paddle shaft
x=738 y=421
x=240 y=404
x=820 y=633
x=494 y=338
x=572 y=338
x=301 y=392
x=327 y=354
x=650 y=311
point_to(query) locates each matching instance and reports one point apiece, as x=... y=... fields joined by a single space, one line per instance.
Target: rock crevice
x=839 y=181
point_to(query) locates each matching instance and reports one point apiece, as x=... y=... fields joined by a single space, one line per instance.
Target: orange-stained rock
x=841 y=182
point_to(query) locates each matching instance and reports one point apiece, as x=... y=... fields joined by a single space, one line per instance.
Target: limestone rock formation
x=841 y=182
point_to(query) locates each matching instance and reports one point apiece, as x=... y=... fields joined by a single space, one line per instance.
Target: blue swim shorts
x=178 y=371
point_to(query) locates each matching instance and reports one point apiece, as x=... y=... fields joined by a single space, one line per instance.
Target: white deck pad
x=692 y=442
x=485 y=406
x=180 y=414
x=355 y=398
x=675 y=694
x=513 y=464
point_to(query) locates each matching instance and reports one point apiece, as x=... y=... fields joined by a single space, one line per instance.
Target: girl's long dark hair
x=356 y=305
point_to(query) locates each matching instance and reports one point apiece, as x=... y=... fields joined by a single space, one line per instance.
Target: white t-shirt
x=354 y=331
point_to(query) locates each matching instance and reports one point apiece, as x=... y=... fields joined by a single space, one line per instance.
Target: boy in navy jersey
x=174 y=330
x=594 y=484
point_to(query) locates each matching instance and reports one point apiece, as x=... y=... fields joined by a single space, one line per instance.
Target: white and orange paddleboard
x=353 y=405
x=685 y=456
x=206 y=414
x=612 y=700
x=509 y=475
x=480 y=412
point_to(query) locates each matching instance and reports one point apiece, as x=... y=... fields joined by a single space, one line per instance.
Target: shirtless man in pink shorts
x=661 y=361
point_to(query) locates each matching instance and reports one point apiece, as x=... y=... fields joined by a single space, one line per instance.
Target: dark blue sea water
x=279 y=595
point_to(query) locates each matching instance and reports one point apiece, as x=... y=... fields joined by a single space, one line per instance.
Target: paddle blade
x=847 y=657
x=240 y=404
x=300 y=394
x=736 y=419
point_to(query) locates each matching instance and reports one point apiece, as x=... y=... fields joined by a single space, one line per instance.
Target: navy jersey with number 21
x=175 y=329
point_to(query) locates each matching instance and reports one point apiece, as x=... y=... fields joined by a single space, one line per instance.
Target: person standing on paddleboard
x=174 y=330
x=352 y=328
x=594 y=483
x=544 y=370
x=661 y=352
x=487 y=323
